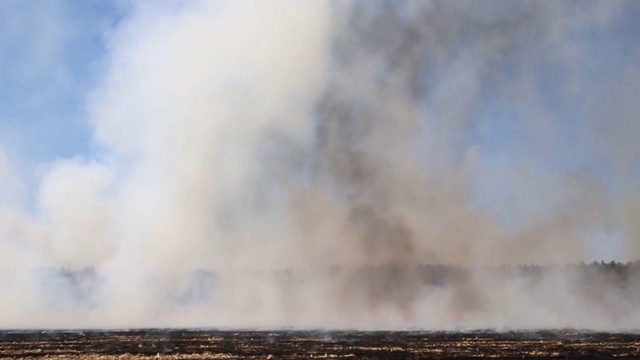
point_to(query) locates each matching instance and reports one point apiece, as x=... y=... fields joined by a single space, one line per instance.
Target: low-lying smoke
x=292 y=163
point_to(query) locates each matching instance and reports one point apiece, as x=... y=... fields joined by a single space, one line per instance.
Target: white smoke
x=254 y=160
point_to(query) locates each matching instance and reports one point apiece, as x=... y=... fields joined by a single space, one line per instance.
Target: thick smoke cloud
x=395 y=130
x=293 y=163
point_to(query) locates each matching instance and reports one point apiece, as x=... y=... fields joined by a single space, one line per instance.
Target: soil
x=296 y=344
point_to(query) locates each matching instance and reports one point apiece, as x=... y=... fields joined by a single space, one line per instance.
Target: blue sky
x=607 y=55
x=51 y=56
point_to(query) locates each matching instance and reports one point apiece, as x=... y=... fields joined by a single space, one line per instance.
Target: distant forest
x=596 y=281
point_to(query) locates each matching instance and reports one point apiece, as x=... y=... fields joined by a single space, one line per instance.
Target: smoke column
x=252 y=160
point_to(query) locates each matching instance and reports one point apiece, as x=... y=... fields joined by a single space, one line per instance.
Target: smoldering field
x=298 y=163
x=288 y=344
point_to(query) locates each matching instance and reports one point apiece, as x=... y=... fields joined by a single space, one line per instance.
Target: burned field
x=596 y=284
x=295 y=344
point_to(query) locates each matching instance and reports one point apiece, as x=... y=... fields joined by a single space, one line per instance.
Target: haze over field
x=162 y=163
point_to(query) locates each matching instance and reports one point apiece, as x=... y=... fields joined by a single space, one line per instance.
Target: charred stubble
x=297 y=344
